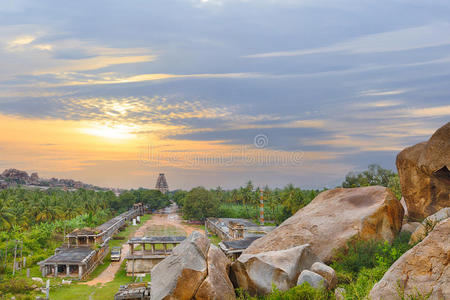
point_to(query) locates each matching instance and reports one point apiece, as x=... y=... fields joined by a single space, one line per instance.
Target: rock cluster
x=195 y=270
x=425 y=176
x=256 y=273
x=17 y=175
x=334 y=217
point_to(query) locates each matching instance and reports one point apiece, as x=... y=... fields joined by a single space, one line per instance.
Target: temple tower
x=161 y=184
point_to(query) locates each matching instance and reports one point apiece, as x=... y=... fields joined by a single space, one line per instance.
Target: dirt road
x=172 y=218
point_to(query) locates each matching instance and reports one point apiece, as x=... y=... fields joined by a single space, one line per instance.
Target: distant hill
x=13 y=177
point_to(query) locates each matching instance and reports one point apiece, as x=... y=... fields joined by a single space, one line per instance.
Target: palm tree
x=70 y=209
x=6 y=217
x=48 y=211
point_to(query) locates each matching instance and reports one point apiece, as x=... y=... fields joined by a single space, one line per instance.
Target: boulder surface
x=217 y=284
x=315 y=280
x=334 y=217
x=424 y=175
x=423 y=269
x=194 y=270
x=256 y=273
x=326 y=272
x=428 y=224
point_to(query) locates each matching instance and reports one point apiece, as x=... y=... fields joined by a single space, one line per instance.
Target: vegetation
x=361 y=264
x=301 y=292
x=21 y=287
x=199 y=204
x=243 y=202
x=40 y=219
x=374 y=175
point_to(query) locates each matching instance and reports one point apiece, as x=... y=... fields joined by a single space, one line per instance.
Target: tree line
x=280 y=203
x=40 y=218
x=243 y=202
x=24 y=208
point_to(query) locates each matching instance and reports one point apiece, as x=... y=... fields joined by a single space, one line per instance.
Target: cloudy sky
x=216 y=92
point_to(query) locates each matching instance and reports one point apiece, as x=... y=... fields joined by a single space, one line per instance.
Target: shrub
x=15 y=286
x=361 y=264
x=300 y=292
x=366 y=279
x=359 y=254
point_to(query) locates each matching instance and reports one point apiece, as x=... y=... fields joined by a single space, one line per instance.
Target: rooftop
x=239 y=244
x=157 y=240
x=83 y=232
x=69 y=255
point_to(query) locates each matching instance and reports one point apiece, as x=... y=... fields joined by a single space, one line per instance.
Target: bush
x=15 y=286
x=359 y=254
x=361 y=264
x=300 y=292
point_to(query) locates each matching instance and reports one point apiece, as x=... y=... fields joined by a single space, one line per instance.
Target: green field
x=164 y=230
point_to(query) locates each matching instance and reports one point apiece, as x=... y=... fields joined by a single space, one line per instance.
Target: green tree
x=200 y=204
x=6 y=217
x=374 y=175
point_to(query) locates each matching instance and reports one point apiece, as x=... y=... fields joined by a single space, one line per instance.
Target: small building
x=72 y=262
x=229 y=229
x=85 y=248
x=146 y=252
x=236 y=234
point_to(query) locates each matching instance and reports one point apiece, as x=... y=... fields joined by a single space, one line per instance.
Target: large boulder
x=428 y=224
x=425 y=176
x=180 y=275
x=334 y=217
x=195 y=270
x=256 y=273
x=217 y=284
x=423 y=269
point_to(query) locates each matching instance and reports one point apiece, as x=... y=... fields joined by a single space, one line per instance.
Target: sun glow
x=114 y=132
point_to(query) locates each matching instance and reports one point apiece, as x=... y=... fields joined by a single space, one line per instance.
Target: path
x=170 y=217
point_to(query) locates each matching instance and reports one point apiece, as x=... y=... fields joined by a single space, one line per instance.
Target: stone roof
x=69 y=256
x=240 y=244
x=83 y=232
x=157 y=240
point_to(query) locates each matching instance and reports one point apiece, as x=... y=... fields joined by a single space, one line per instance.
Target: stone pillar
x=67 y=270
x=153 y=248
x=132 y=248
x=44 y=271
x=56 y=270
x=80 y=272
x=165 y=248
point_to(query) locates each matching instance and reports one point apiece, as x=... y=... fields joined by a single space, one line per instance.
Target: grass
x=82 y=291
x=164 y=230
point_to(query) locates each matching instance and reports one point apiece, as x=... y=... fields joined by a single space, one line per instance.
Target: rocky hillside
x=12 y=177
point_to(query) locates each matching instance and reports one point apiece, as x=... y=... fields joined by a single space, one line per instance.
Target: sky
x=217 y=92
